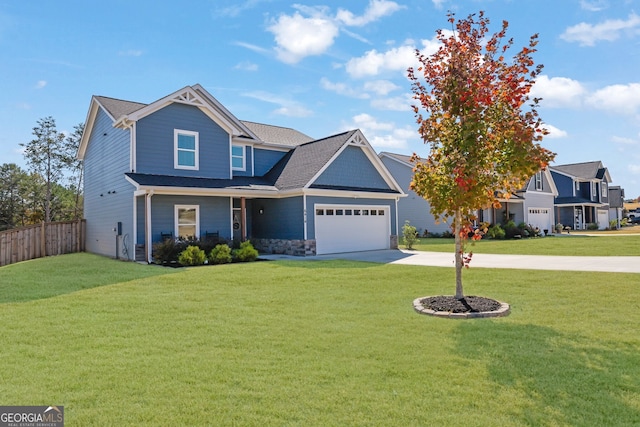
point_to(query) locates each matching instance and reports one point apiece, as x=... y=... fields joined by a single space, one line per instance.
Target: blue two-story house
x=583 y=194
x=184 y=166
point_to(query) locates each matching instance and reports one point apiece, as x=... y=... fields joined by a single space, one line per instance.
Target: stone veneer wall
x=393 y=242
x=286 y=247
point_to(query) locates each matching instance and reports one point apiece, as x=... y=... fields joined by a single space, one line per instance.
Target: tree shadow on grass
x=52 y=276
x=556 y=378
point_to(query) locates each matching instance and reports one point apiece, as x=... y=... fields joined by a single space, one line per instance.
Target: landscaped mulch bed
x=470 y=304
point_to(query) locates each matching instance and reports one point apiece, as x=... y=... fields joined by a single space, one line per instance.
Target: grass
x=322 y=343
x=570 y=245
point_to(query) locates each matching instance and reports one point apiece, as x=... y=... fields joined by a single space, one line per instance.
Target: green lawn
x=316 y=343
x=572 y=245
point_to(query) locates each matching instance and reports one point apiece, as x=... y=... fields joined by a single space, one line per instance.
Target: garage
x=351 y=228
x=541 y=218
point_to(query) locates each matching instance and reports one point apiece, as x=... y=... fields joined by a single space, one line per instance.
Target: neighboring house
x=532 y=205
x=616 y=204
x=186 y=166
x=413 y=208
x=583 y=194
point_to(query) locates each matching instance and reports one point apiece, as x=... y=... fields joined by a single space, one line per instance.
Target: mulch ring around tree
x=467 y=307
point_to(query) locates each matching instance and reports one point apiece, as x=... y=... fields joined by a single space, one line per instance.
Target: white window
x=538 y=179
x=187 y=221
x=604 y=189
x=577 y=185
x=594 y=190
x=186 y=149
x=238 y=162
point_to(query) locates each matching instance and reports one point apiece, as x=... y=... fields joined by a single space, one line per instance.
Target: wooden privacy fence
x=36 y=241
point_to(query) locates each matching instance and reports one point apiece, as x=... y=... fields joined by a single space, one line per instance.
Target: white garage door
x=603 y=219
x=541 y=218
x=346 y=228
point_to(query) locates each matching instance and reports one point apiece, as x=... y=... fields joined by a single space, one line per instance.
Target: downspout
x=304 y=220
x=147 y=226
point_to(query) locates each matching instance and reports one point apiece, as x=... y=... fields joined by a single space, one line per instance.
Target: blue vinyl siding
x=215 y=214
x=312 y=200
x=564 y=184
x=353 y=169
x=282 y=218
x=248 y=154
x=264 y=160
x=155 y=142
x=108 y=196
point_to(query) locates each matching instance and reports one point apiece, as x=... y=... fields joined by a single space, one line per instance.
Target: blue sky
x=319 y=66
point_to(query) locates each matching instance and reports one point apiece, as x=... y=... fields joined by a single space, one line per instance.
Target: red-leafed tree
x=474 y=111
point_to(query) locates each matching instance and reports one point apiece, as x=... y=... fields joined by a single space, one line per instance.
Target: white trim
x=176 y=224
x=148 y=227
x=133 y=141
x=196 y=135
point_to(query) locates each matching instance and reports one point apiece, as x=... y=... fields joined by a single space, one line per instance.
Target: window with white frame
x=604 y=189
x=187 y=221
x=594 y=190
x=538 y=181
x=238 y=158
x=186 y=149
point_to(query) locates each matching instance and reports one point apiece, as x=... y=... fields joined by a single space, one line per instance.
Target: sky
x=318 y=66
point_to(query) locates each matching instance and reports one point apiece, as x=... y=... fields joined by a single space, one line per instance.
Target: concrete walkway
x=630 y=264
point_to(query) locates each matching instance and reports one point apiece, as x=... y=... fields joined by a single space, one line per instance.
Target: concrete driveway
x=630 y=264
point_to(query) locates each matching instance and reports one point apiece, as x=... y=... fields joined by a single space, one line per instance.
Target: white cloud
x=297 y=37
x=438 y=3
x=620 y=140
x=400 y=58
x=558 y=91
x=374 y=11
x=374 y=62
x=312 y=30
x=594 y=5
x=554 y=132
x=287 y=107
x=609 y=30
x=397 y=103
x=382 y=135
x=246 y=66
x=634 y=169
x=252 y=47
x=343 y=89
x=380 y=87
x=617 y=98
x=41 y=84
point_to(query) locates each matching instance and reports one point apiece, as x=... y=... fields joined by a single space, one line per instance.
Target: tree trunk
x=459 y=264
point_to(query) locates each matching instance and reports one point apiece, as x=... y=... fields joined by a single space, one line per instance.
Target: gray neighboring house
x=616 y=203
x=412 y=208
x=583 y=196
x=532 y=205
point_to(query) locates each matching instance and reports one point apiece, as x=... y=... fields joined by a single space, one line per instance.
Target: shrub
x=193 y=255
x=496 y=232
x=447 y=234
x=409 y=235
x=511 y=230
x=613 y=224
x=592 y=226
x=167 y=251
x=559 y=227
x=220 y=254
x=246 y=252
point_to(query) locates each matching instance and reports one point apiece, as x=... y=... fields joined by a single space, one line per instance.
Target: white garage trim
x=350 y=228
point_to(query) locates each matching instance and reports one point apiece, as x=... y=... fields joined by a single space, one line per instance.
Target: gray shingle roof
x=586 y=170
x=117 y=107
x=277 y=135
x=400 y=157
x=306 y=160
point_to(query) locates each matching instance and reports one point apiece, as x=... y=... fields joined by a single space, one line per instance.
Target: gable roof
x=118 y=107
x=402 y=158
x=584 y=170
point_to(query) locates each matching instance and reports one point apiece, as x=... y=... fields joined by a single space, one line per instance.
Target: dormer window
x=185 y=149
x=238 y=157
x=538 y=181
